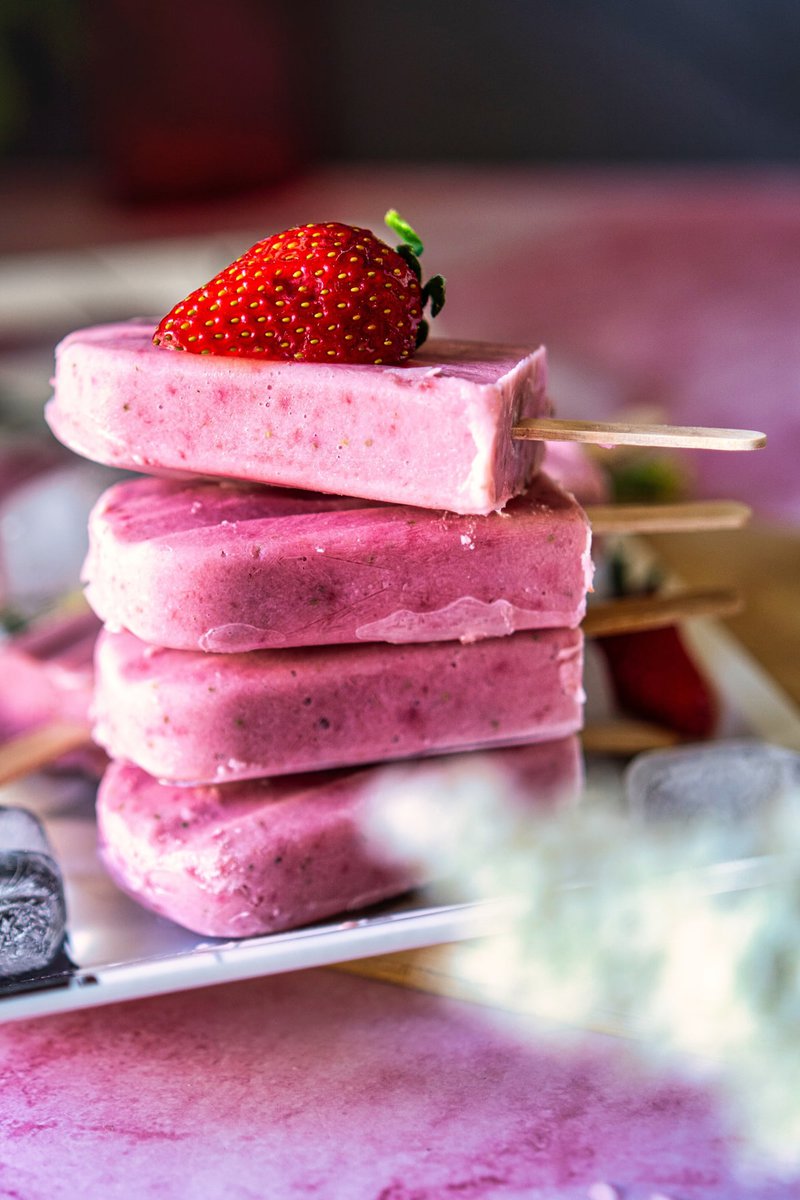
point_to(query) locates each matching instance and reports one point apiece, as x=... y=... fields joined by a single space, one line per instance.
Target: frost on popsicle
x=321 y=293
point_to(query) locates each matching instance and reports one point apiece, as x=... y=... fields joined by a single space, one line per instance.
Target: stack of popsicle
x=262 y=643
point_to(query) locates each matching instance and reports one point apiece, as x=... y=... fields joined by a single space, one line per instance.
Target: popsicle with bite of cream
x=294 y=367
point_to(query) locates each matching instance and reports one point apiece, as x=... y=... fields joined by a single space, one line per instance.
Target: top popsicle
x=434 y=433
x=293 y=366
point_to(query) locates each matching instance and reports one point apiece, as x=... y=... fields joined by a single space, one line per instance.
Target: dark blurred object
x=197 y=100
x=23 y=459
x=33 y=912
x=642 y=477
x=202 y=98
x=565 y=80
x=40 y=68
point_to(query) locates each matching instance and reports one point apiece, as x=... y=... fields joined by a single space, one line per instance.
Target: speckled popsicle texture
x=435 y=433
x=241 y=859
x=229 y=568
x=318 y=1084
x=194 y=717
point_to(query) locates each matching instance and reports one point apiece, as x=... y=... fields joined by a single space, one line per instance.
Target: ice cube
x=726 y=791
x=729 y=781
x=33 y=912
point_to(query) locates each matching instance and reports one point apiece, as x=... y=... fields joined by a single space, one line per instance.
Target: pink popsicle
x=238 y=859
x=46 y=676
x=229 y=568
x=46 y=672
x=435 y=432
x=197 y=717
x=571 y=467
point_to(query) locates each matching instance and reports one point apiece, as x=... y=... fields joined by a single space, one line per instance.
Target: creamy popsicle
x=229 y=568
x=435 y=432
x=46 y=672
x=570 y=466
x=199 y=717
x=240 y=859
x=47 y=676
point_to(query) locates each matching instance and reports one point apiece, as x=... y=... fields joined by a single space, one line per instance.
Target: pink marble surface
x=333 y=1086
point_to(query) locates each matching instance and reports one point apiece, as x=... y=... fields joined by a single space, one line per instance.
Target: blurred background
x=618 y=180
x=218 y=99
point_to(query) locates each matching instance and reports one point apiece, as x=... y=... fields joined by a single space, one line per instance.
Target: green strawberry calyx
x=410 y=249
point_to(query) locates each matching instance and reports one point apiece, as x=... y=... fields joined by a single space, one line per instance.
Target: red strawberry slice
x=653 y=677
x=316 y=293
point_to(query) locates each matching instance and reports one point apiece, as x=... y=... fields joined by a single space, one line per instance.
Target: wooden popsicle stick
x=627 y=433
x=686 y=517
x=626 y=736
x=32 y=751
x=426 y=970
x=632 y=613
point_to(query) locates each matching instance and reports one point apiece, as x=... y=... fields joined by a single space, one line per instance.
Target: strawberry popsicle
x=46 y=673
x=255 y=857
x=433 y=432
x=199 y=717
x=47 y=676
x=229 y=568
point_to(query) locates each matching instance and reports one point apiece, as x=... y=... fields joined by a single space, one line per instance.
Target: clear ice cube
x=730 y=787
x=727 y=780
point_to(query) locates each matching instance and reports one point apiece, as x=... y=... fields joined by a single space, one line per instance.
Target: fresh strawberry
x=317 y=293
x=653 y=677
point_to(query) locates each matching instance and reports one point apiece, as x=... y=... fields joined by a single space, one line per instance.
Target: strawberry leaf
x=434 y=291
x=410 y=257
x=404 y=230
